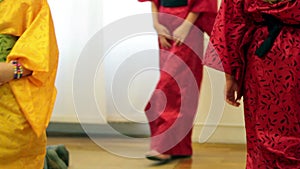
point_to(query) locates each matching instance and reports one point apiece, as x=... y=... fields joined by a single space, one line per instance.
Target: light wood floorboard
x=86 y=153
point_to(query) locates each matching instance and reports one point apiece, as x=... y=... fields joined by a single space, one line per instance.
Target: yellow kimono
x=26 y=104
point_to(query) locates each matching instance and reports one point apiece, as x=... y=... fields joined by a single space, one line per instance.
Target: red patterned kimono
x=269 y=77
x=173 y=105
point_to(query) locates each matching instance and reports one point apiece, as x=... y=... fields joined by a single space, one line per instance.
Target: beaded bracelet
x=18 y=69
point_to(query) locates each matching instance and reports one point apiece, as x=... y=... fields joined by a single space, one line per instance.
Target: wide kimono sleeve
x=207 y=10
x=225 y=51
x=157 y=2
x=36 y=49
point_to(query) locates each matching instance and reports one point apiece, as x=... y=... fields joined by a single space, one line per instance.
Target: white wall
x=75 y=23
x=125 y=102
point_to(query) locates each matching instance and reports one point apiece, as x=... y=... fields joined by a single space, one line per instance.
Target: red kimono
x=173 y=104
x=269 y=77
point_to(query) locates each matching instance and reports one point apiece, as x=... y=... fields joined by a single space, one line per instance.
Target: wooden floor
x=117 y=153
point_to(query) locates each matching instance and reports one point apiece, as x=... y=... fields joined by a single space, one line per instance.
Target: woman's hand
x=6 y=72
x=180 y=33
x=164 y=35
x=164 y=42
x=231 y=91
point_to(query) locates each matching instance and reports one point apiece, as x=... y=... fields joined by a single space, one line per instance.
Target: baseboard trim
x=111 y=128
x=224 y=133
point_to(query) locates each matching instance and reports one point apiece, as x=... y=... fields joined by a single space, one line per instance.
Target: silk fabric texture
x=29 y=101
x=173 y=105
x=36 y=49
x=270 y=85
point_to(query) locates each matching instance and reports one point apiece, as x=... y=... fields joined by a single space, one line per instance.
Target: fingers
x=179 y=36
x=165 y=33
x=168 y=36
x=235 y=103
x=164 y=36
x=178 y=41
x=232 y=93
x=164 y=42
x=231 y=98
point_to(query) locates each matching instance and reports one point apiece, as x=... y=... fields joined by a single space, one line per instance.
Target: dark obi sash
x=173 y=3
x=6 y=44
x=274 y=27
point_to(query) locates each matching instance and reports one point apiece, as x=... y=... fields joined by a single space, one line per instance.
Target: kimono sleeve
x=207 y=10
x=157 y=2
x=36 y=49
x=224 y=51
